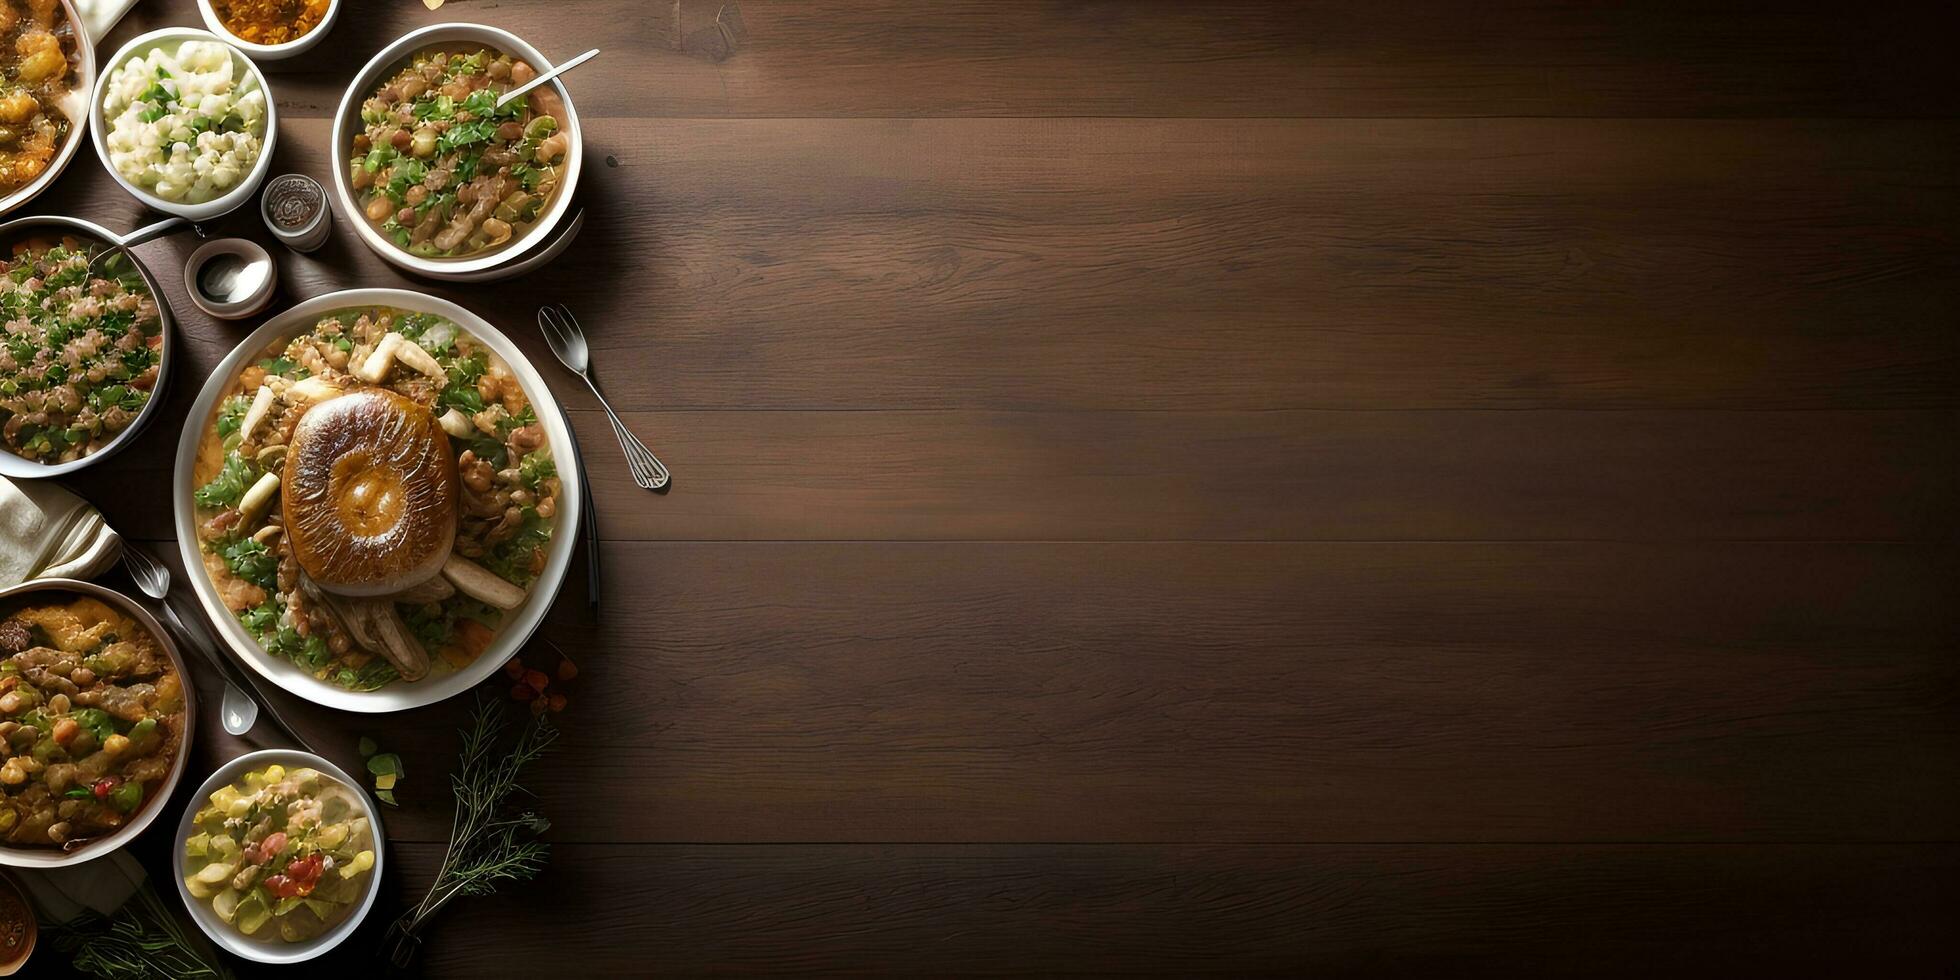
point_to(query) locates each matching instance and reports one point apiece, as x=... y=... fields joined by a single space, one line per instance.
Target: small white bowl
x=346 y=124
x=270 y=52
x=98 y=126
x=222 y=933
x=245 y=249
x=75 y=105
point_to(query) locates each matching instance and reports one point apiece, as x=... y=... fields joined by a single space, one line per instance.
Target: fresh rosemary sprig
x=141 y=941
x=488 y=844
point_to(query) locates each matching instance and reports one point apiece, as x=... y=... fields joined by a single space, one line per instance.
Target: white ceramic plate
x=222 y=933
x=75 y=107
x=98 y=124
x=21 y=857
x=519 y=623
x=346 y=122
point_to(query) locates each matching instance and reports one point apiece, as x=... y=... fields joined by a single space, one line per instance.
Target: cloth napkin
x=47 y=532
x=101 y=15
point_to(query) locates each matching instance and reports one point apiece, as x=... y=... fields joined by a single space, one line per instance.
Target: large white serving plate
x=518 y=624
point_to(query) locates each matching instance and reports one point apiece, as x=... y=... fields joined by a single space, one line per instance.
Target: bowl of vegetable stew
x=87 y=369
x=433 y=175
x=516 y=517
x=278 y=856
x=97 y=713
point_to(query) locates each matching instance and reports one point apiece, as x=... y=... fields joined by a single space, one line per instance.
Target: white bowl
x=22 y=468
x=518 y=623
x=232 y=199
x=270 y=52
x=21 y=857
x=75 y=106
x=346 y=124
x=222 y=933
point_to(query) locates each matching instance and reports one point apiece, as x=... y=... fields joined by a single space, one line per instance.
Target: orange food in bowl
x=270 y=21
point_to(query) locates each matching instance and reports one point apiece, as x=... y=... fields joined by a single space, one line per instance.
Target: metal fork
x=567 y=340
x=239 y=709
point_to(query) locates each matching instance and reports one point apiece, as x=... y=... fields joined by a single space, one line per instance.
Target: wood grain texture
x=1127 y=476
x=1396 y=910
x=1220 y=264
x=1222 y=59
x=1245 y=692
x=1401 y=489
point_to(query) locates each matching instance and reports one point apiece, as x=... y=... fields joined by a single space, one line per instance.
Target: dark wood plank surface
x=1388 y=489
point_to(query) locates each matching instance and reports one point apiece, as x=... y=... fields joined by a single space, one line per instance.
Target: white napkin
x=47 y=532
x=101 y=15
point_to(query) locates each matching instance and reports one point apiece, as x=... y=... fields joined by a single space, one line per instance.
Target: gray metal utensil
x=568 y=65
x=239 y=709
x=567 y=340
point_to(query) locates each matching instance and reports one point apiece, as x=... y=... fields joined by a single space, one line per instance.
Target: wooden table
x=1390 y=488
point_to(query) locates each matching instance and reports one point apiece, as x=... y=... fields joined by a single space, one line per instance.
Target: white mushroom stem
x=261 y=407
x=411 y=353
x=375 y=368
x=311 y=389
x=434 y=590
x=257 y=501
x=457 y=424
x=480 y=583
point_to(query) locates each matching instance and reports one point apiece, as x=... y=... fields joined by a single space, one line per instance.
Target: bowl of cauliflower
x=184 y=121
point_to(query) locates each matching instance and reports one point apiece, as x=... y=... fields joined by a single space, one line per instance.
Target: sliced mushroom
x=457 y=424
x=397 y=643
x=261 y=407
x=375 y=625
x=257 y=501
x=271 y=457
x=312 y=389
x=375 y=368
x=411 y=353
x=481 y=583
x=434 y=590
x=268 y=534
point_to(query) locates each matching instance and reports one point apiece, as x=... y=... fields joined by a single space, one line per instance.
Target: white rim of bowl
x=233 y=199
x=270 y=52
x=365 y=81
x=200 y=911
x=22 y=468
x=519 y=624
x=82 y=98
x=15 y=857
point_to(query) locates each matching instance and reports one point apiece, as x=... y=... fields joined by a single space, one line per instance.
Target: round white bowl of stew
x=348 y=896
x=104 y=771
x=433 y=129
x=26 y=165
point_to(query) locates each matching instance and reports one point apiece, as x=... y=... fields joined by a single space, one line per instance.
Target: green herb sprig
x=141 y=941
x=489 y=844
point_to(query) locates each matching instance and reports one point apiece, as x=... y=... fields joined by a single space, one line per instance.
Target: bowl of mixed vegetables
x=437 y=177
x=278 y=856
x=95 y=719
x=86 y=351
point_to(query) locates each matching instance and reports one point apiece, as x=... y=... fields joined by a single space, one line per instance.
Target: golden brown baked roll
x=369 y=493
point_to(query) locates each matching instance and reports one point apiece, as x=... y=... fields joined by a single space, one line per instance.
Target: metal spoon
x=134 y=238
x=547 y=76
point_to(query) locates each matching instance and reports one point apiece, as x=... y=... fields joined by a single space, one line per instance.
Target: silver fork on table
x=239 y=710
x=567 y=340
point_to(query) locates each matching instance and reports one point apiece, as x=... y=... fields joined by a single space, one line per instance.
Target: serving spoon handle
x=568 y=65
